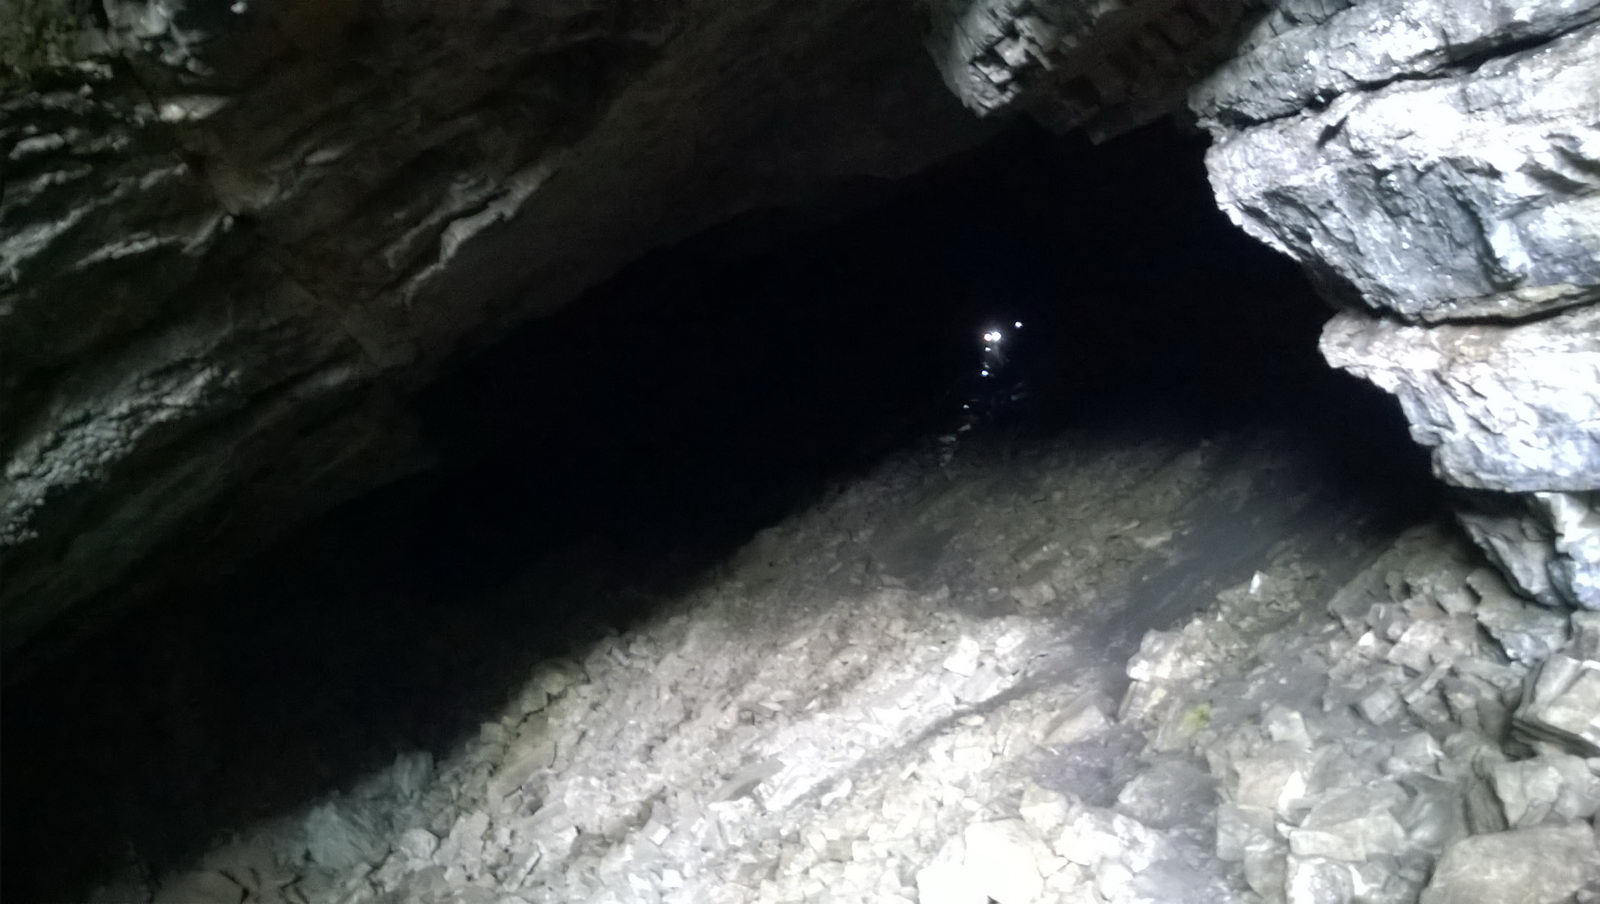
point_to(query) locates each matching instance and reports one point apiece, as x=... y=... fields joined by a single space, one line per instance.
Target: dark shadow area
x=604 y=459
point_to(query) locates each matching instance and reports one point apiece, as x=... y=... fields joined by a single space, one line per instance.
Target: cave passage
x=609 y=464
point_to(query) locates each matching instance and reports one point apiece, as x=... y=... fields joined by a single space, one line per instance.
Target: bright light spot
x=1017 y=324
x=984 y=372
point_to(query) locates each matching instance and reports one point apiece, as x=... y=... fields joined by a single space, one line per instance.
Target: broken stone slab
x=511 y=776
x=1266 y=872
x=1416 y=752
x=948 y=883
x=1527 y=633
x=1352 y=825
x=1541 y=865
x=745 y=780
x=963 y=659
x=1562 y=705
x=1170 y=793
x=1585 y=642
x=1035 y=595
x=1507 y=408
x=1547 y=544
x=1436 y=814
x=1313 y=879
x=1382 y=704
x=1082 y=719
x=1164 y=656
x=1434 y=641
x=1045 y=810
x=1277 y=779
x=1003 y=858
x=1094 y=836
x=338 y=837
x=1243 y=829
x=985 y=682
x=1551 y=786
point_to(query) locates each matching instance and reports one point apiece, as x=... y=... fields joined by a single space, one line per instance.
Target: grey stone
x=1562 y=704
x=1082 y=720
x=1501 y=407
x=1547 y=544
x=1480 y=214
x=1093 y=837
x=339 y=837
x=1315 y=880
x=1543 y=865
x=1527 y=790
x=1527 y=633
x=1243 y=829
x=1352 y=824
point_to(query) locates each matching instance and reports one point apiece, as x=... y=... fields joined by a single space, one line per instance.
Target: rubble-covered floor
x=703 y=603
x=1095 y=667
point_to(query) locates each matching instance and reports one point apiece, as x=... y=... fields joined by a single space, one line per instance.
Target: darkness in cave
x=614 y=451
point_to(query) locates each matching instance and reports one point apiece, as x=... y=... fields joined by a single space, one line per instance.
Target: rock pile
x=820 y=730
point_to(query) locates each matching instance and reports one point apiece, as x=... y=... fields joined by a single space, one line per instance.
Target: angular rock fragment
x=1351 y=825
x=1003 y=859
x=339 y=837
x=1527 y=633
x=1081 y=720
x=1543 y=865
x=1547 y=544
x=1562 y=705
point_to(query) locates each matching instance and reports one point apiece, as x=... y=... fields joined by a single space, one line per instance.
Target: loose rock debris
x=837 y=729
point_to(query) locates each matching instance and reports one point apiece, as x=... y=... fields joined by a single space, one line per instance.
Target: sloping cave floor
x=820 y=712
x=712 y=598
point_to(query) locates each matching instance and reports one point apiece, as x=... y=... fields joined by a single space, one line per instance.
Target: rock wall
x=1437 y=166
x=234 y=238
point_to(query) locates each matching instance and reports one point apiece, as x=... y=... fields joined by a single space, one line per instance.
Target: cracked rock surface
x=1433 y=166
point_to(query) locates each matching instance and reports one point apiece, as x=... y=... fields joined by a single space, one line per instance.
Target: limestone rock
x=1547 y=544
x=1082 y=720
x=1003 y=860
x=340 y=837
x=1321 y=56
x=1527 y=633
x=1483 y=213
x=1543 y=865
x=1510 y=408
x=1351 y=825
x=1562 y=704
